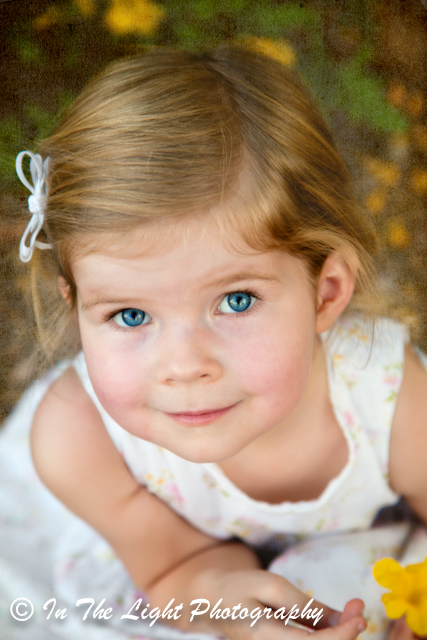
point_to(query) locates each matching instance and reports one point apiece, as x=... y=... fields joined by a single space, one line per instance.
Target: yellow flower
x=396 y=94
x=415 y=105
x=52 y=16
x=398 y=234
x=420 y=136
x=280 y=51
x=376 y=201
x=86 y=7
x=386 y=172
x=419 y=181
x=133 y=16
x=408 y=592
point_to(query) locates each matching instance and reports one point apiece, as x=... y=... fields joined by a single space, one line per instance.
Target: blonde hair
x=171 y=134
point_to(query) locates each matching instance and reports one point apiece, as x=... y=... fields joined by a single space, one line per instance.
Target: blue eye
x=131 y=318
x=237 y=302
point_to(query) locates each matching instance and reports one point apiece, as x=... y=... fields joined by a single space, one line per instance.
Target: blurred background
x=365 y=59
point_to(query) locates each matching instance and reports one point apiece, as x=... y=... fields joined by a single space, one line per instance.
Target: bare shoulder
x=65 y=395
x=408 y=445
x=74 y=455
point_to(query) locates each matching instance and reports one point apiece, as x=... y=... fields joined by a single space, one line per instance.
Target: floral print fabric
x=324 y=546
x=364 y=380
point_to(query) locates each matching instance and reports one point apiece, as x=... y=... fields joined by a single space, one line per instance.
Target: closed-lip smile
x=204 y=416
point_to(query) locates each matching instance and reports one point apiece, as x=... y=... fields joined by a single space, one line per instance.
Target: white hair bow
x=36 y=202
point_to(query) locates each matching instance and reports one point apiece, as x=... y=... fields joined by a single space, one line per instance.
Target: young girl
x=226 y=406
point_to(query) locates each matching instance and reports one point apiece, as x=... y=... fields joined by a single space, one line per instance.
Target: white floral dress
x=324 y=546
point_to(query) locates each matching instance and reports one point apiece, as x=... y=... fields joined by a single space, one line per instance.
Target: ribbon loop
x=36 y=201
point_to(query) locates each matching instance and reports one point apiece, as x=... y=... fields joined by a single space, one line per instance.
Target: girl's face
x=194 y=345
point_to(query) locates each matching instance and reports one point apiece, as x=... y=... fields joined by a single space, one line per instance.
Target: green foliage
x=65 y=100
x=76 y=45
x=354 y=91
x=203 y=22
x=12 y=141
x=189 y=36
x=15 y=137
x=28 y=51
x=363 y=98
x=272 y=20
x=40 y=119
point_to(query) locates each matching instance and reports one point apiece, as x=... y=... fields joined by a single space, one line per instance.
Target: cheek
x=273 y=366
x=117 y=376
x=276 y=367
x=121 y=386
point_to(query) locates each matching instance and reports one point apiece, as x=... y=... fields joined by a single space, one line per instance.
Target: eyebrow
x=220 y=282
x=100 y=299
x=238 y=277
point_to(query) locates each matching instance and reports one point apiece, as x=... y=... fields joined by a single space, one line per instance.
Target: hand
x=400 y=631
x=257 y=590
x=231 y=573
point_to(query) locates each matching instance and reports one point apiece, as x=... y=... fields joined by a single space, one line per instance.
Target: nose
x=188 y=356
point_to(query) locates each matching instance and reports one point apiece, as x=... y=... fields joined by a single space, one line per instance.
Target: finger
x=400 y=631
x=348 y=630
x=276 y=625
x=352 y=609
x=279 y=593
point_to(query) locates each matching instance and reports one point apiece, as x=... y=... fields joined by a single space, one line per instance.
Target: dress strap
x=369 y=358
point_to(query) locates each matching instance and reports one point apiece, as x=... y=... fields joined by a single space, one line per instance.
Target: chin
x=208 y=454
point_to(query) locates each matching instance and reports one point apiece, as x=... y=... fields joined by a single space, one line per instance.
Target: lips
x=196 y=418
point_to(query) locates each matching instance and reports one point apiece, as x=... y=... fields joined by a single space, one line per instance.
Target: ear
x=334 y=290
x=64 y=289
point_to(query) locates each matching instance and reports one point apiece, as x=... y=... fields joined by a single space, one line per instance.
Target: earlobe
x=334 y=290
x=64 y=289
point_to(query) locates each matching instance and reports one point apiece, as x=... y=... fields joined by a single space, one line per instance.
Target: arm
x=78 y=462
x=408 y=444
x=223 y=575
x=408 y=452
x=165 y=556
